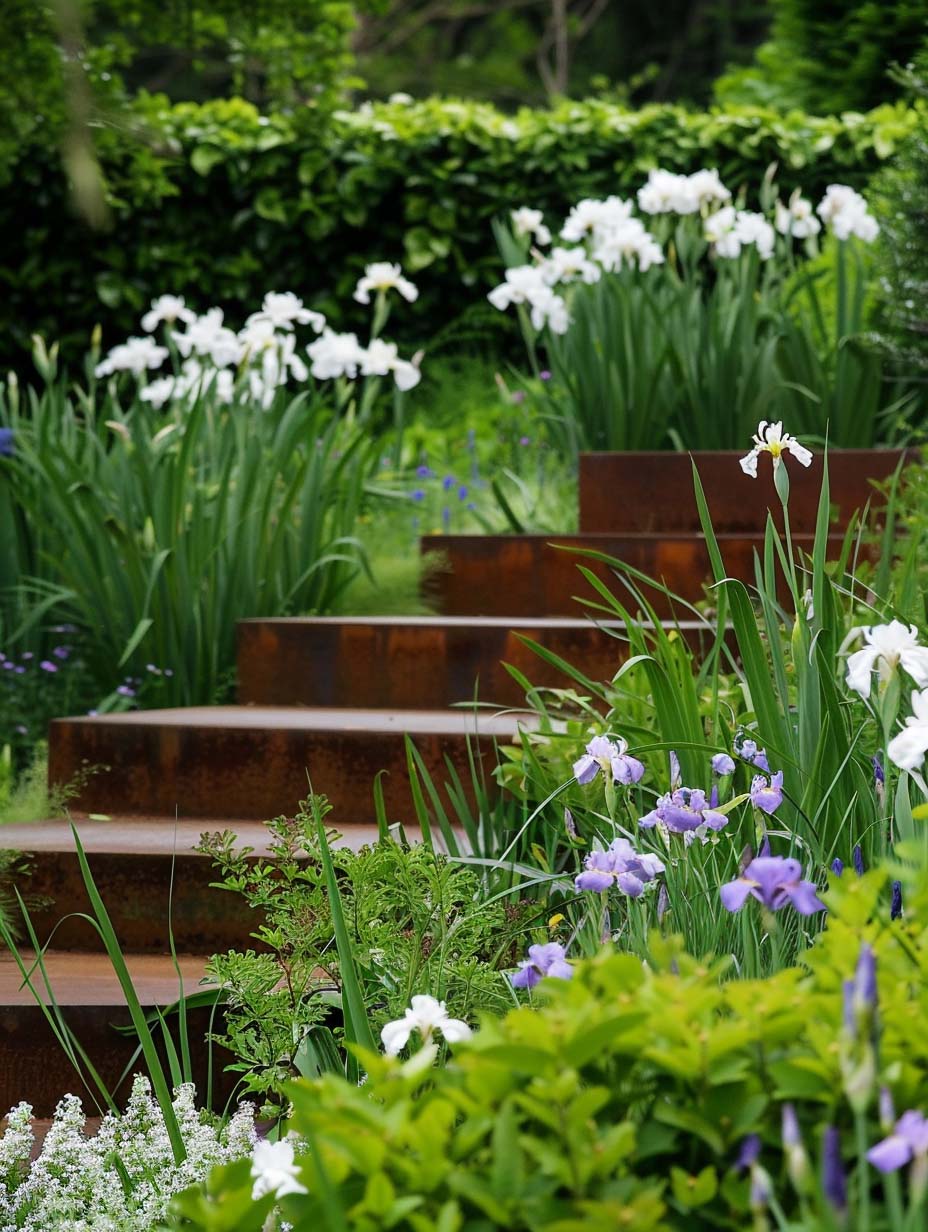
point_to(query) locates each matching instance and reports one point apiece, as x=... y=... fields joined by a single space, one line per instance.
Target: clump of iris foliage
x=682 y=315
x=201 y=472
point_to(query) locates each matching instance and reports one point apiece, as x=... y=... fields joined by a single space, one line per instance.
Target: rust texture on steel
x=248 y=762
x=651 y=492
x=514 y=575
x=397 y=664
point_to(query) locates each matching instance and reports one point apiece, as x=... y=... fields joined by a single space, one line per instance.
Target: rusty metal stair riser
x=516 y=575
x=405 y=664
x=216 y=762
x=652 y=492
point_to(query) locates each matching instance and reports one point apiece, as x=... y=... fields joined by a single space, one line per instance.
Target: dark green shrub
x=221 y=204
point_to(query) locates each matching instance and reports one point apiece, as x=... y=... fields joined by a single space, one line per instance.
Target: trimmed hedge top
x=219 y=203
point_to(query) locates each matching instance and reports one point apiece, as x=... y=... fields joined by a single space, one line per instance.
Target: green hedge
x=220 y=204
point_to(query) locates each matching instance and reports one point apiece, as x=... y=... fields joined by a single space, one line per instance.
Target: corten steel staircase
x=323 y=700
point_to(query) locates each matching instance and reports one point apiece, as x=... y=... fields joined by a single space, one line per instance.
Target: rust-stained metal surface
x=517 y=575
x=33 y=1065
x=133 y=863
x=652 y=492
x=397 y=663
x=258 y=762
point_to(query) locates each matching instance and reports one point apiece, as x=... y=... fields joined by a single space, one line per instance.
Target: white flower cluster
x=608 y=236
x=847 y=214
x=264 y=355
x=74 y=1183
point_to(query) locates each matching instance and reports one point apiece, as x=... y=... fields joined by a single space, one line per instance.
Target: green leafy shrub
x=415 y=920
x=627 y=1096
x=418 y=183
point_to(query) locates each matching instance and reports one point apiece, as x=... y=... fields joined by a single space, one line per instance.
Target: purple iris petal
x=592 y=879
x=629 y=884
x=627 y=770
x=892 y=1153
x=526 y=976
x=773 y=881
x=865 y=978
x=586 y=769
x=722 y=764
x=764 y=849
x=675 y=777
x=879 y=775
x=47 y=666
x=790 y=1123
x=767 y=796
x=713 y=819
x=650 y=819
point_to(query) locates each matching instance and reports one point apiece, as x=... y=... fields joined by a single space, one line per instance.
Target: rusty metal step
x=652 y=492
x=33 y=1066
x=255 y=762
x=407 y=662
x=517 y=576
x=152 y=880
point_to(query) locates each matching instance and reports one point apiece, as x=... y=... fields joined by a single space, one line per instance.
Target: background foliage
x=205 y=199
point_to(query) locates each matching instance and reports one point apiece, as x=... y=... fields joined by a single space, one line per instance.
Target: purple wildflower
x=47 y=666
x=602 y=753
x=542 y=960
x=61 y=652
x=714 y=797
x=126 y=690
x=418 y=494
x=518 y=396
x=764 y=850
x=748 y=751
x=722 y=764
x=774 y=881
x=895 y=904
x=834 y=1182
x=887 y=1111
x=448 y=482
x=569 y=824
x=858 y=857
x=908 y=1139
x=837 y=866
x=663 y=902
x=620 y=864
x=544 y=375
x=525 y=440
x=749 y=1152
x=767 y=796
x=684 y=810
x=865 y=979
x=879 y=776
x=424 y=472
x=462 y=493
x=6 y=442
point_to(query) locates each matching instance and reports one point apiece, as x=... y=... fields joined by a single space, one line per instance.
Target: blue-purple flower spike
x=837 y=866
x=834 y=1182
x=858 y=861
x=895 y=906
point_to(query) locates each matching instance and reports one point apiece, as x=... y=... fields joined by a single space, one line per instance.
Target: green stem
x=863 y=1178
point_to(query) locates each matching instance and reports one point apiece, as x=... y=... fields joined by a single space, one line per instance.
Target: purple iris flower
x=722 y=764
x=424 y=472
x=879 y=776
x=544 y=375
x=858 y=856
x=448 y=482
x=525 y=440
x=773 y=881
x=6 y=442
x=748 y=751
x=542 y=960
x=418 y=494
x=61 y=652
x=865 y=979
x=462 y=492
x=764 y=849
x=834 y=1182
x=47 y=666
x=895 y=904
x=837 y=866
x=569 y=824
x=621 y=865
x=767 y=796
x=125 y=690
x=676 y=778
x=600 y=753
x=683 y=810
x=908 y=1139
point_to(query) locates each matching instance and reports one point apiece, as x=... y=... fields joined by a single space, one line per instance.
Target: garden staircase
x=327 y=701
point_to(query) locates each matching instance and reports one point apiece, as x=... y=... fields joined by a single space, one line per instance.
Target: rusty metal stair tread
x=151 y=836
x=89 y=979
x=316 y=719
